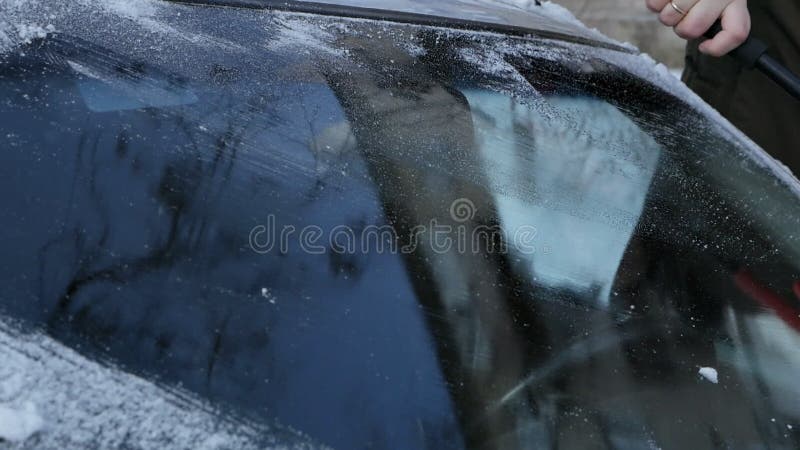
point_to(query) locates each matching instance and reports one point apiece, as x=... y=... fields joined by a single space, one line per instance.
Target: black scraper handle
x=753 y=53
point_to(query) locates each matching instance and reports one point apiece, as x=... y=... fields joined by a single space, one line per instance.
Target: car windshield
x=355 y=234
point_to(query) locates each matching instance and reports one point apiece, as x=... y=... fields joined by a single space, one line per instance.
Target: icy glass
x=389 y=236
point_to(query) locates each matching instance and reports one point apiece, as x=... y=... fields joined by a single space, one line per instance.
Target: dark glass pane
x=388 y=236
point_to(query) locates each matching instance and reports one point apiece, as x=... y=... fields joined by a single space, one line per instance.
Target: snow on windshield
x=52 y=397
x=547 y=17
x=137 y=28
x=296 y=35
x=121 y=24
x=24 y=20
x=16 y=28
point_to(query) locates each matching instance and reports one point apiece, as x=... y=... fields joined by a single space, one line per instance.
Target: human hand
x=692 y=18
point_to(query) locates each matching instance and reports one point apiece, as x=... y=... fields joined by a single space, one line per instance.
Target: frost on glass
x=165 y=134
x=52 y=397
x=587 y=170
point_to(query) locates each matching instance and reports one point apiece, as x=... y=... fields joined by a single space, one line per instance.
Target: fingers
x=700 y=18
x=670 y=16
x=656 y=5
x=700 y=15
x=735 y=29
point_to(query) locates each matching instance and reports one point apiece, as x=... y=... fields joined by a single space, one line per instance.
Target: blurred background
x=630 y=21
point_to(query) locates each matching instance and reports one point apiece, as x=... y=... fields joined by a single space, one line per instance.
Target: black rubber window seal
x=354 y=12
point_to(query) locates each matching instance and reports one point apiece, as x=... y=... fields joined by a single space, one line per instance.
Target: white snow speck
x=29 y=32
x=268 y=295
x=20 y=423
x=710 y=374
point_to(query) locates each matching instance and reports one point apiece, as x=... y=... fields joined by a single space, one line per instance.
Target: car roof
x=546 y=19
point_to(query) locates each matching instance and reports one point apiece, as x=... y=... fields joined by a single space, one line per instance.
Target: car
x=379 y=225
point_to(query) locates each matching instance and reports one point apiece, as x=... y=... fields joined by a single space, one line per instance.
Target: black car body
x=255 y=224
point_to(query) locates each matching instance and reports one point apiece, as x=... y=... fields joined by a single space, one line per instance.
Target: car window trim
x=356 y=12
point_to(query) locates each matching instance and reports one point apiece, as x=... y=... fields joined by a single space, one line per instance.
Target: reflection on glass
x=588 y=168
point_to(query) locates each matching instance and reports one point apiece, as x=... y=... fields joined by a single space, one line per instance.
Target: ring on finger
x=677 y=8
